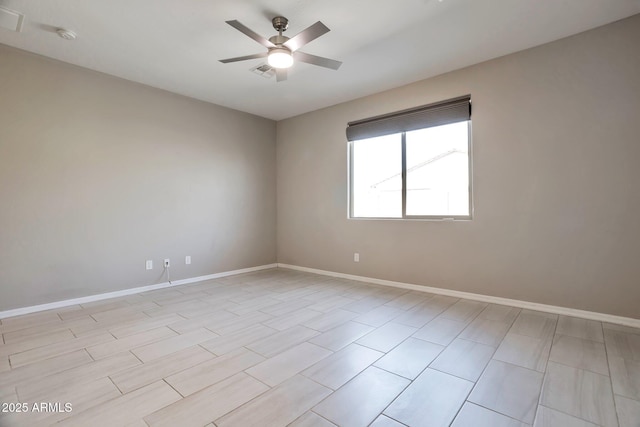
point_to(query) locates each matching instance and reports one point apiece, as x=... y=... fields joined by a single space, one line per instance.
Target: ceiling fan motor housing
x=278 y=40
x=280 y=23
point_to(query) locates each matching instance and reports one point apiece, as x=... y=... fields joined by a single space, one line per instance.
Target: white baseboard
x=125 y=292
x=591 y=315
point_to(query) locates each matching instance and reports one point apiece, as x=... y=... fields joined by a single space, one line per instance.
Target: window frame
x=404 y=216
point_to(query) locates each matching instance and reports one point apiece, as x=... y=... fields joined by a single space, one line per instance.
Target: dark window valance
x=436 y=114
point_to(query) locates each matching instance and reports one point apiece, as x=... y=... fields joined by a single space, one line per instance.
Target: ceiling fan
x=282 y=50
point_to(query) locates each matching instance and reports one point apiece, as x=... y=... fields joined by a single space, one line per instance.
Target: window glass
x=438 y=171
x=376 y=177
x=434 y=184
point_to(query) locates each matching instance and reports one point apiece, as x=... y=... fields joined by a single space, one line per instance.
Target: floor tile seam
x=137 y=345
x=546 y=360
x=71 y=414
x=463 y=400
x=361 y=371
x=514 y=365
x=521 y=367
x=53 y=373
x=560 y=334
x=381 y=351
x=489 y=304
x=208 y=328
x=571 y=415
x=581 y=369
x=481 y=343
x=415 y=306
x=182 y=396
x=584 y=369
x=495 y=349
x=405 y=310
x=151 y=329
x=323 y=385
x=259 y=395
x=428 y=366
x=354 y=378
x=612 y=328
x=158 y=379
x=311 y=410
x=499 y=413
x=246 y=347
x=259 y=380
x=357 y=312
x=436 y=318
x=395 y=373
x=509 y=324
x=390 y=417
x=77 y=335
x=466 y=324
x=626 y=397
x=621 y=356
x=361 y=336
x=118 y=388
x=192 y=366
x=326 y=330
x=409 y=325
x=555 y=332
x=82 y=381
x=180 y=333
x=546 y=370
x=387 y=321
x=613 y=396
x=61 y=326
x=291 y=348
x=602 y=341
x=296 y=324
x=549 y=338
x=8 y=355
x=468 y=320
x=102 y=403
x=454 y=375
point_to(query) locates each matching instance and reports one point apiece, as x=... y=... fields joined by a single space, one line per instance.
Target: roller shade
x=436 y=114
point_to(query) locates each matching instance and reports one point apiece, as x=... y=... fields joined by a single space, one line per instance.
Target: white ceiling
x=176 y=44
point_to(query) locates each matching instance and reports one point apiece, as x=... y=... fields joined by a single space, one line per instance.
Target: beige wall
x=98 y=174
x=556 y=152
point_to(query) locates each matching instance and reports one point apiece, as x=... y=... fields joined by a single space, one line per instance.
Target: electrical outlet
x=356 y=257
x=149 y=264
x=166 y=263
x=187 y=259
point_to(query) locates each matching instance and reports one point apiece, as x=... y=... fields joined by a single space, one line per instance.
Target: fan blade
x=317 y=60
x=244 y=58
x=305 y=36
x=281 y=74
x=257 y=37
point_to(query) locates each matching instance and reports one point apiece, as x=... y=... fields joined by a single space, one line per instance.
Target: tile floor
x=280 y=347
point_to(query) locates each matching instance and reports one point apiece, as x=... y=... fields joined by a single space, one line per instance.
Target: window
x=413 y=164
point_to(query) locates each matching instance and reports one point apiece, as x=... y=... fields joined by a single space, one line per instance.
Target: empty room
x=312 y=214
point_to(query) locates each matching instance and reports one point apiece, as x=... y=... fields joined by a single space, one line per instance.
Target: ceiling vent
x=66 y=34
x=264 y=70
x=11 y=20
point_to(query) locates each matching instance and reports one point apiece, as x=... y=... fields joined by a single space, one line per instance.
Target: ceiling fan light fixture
x=280 y=57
